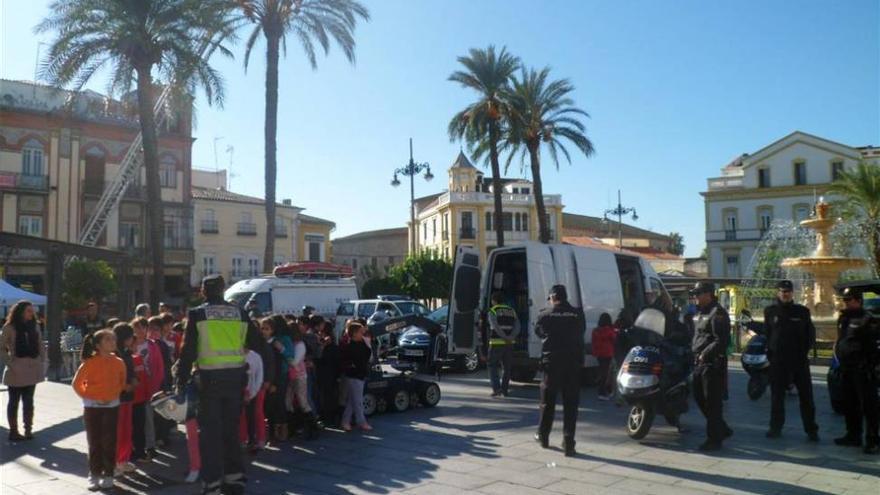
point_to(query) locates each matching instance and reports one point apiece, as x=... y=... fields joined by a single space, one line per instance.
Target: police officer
x=856 y=348
x=214 y=339
x=790 y=336
x=503 y=330
x=561 y=328
x=711 y=337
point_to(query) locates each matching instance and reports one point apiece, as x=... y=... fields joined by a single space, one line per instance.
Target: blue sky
x=675 y=89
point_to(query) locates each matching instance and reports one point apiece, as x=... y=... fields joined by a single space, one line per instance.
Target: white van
x=598 y=281
x=288 y=295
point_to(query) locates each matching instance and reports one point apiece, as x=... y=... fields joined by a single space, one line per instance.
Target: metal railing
x=210 y=227
x=24 y=181
x=467 y=233
x=280 y=231
x=246 y=228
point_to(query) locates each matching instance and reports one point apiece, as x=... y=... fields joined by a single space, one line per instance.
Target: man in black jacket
x=790 y=337
x=711 y=337
x=561 y=328
x=857 y=349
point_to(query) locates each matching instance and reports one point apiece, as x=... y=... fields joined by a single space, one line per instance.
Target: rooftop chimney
x=287 y=202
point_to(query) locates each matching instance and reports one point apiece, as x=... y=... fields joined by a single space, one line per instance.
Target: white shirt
x=254 y=374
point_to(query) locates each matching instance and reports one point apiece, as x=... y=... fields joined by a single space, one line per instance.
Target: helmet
x=652 y=319
x=175 y=407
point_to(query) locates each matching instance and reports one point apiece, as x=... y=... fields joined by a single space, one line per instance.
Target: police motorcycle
x=653 y=377
x=754 y=357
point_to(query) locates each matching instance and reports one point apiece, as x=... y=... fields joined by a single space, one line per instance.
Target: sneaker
x=94 y=483
x=117 y=471
x=128 y=467
x=191 y=477
x=366 y=427
x=848 y=441
x=773 y=433
x=106 y=483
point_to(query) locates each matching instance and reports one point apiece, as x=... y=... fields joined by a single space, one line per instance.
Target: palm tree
x=859 y=191
x=542 y=112
x=312 y=22
x=136 y=39
x=480 y=124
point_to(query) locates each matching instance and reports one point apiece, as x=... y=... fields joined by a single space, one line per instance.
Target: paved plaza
x=471 y=443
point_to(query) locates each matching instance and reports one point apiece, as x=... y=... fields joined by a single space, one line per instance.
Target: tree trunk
x=535 y=159
x=155 y=216
x=271 y=129
x=496 y=182
x=875 y=247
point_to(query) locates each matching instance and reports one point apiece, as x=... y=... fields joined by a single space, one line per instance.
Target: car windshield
x=440 y=314
x=239 y=298
x=411 y=308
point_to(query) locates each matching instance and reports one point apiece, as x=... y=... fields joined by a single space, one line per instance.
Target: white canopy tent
x=10 y=294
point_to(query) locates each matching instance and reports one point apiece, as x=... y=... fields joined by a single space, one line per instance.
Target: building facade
x=612 y=233
x=230 y=231
x=781 y=181
x=58 y=152
x=373 y=252
x=465 y=214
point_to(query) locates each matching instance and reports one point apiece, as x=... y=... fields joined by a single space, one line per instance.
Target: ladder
x=125 y=176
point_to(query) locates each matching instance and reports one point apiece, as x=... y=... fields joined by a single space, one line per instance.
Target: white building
x=779 y=181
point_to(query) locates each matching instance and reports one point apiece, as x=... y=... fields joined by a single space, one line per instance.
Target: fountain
x=822 y=265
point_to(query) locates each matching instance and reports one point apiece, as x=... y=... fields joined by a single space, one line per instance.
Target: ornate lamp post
x=620 y=211
x=412 y=169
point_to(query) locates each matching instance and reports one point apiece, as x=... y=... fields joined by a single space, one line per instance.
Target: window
x=354 y=263
x=489 y=221
x=763 y=177
x=836 y=170
x=434 y=227
x=517 y=222
x=390 y=260
x=425 y=231
x=765 y=219
x=800 y=173
x=507 y=221
x=209 y=266
x=801 y=212
x=237 y=266
x=253 y=266
x=366 y=310
x=32 y=158
x=732 y=265
x=525 y=222
x=30 y=225
x=129 y=234
x=178 y=228
x=515 y=190
x=315 y=247
x=525 y=190
x=467 y=225
x=209 y=222
x=730 y=224
x=168 y=172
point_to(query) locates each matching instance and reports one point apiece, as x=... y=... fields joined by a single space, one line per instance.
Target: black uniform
x=220 y=401
x=856 y=348
x=562 y=329
x=711 y=337
x=790 y=337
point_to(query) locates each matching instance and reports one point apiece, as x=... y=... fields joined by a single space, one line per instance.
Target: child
x=298 y=382
x=155 y=368
x=99 y=381
x=138 y=404
x=355 y=357
x=602 y=343
x=327 y=373
x=274 y=402
x=124 y=341
x=252 y=390
x=158 y=328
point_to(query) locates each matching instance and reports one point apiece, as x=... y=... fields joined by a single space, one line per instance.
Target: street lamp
x=620 y=211
x=412 y=169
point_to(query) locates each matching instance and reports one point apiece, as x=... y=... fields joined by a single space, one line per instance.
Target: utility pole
x=412 y=169
x=620 y=211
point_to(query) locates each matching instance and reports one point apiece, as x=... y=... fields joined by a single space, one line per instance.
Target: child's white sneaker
x=192 y=477
x=106 y=482
x=128 y=467
x=94 y=483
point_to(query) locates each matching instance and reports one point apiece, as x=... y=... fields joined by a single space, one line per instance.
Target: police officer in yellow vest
x=214 y=342
x=503 y=330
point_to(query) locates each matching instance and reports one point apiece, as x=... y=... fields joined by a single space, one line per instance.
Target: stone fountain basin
x=823 y=264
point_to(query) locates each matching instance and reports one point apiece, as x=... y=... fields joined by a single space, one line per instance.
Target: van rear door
x=464 y=300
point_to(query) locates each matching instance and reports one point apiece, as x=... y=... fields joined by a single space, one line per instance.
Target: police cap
x=851 y=293
x=703 y=288
x=785 y=285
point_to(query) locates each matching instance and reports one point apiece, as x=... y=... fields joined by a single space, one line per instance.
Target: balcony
x=735 y=235
x=467 y=233
x=97 y=188
x=489 y=198
x=22 y=181
x=210 y=227
x=729 y=235
x=281 y=231
x=725 y=183
x=246 y=228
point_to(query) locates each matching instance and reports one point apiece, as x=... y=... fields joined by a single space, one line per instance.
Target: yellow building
x=464 y=214
x=230 y=231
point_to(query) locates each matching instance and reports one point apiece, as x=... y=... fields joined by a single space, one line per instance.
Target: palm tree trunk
x=496 y=182
x=535 y=159
x=875 y=247
x=155 y=217
x=271 y=129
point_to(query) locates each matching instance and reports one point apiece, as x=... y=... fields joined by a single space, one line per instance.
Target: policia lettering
x=503 y=330
x=213 y=343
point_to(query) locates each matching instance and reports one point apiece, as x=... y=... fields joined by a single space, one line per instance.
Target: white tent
x=9 y=295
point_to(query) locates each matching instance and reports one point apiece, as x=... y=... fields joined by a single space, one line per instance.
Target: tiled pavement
x=473 y=444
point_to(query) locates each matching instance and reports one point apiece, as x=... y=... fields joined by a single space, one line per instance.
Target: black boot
x=29 y=425
x=848 y=441
x=568 y=447
x=14 y=435
x=543 y=440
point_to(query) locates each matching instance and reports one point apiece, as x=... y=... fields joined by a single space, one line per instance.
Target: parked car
x=415 y=342
x=365 y=308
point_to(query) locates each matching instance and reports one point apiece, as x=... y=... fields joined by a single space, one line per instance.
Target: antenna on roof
x=229 y=175
x=216 y=138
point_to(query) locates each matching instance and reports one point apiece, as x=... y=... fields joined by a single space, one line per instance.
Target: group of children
x=297 y=379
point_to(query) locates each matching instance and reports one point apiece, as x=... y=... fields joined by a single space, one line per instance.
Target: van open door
x=464 y=301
